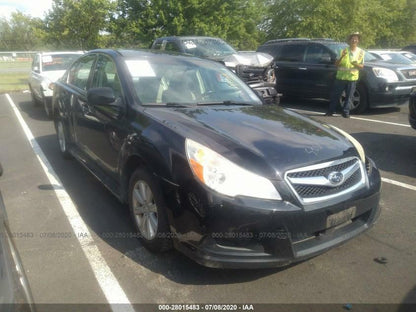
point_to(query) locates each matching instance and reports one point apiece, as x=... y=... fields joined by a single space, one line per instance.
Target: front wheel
x=47 y=107
x=35 y=101
x=148 y=211
x=359 y=100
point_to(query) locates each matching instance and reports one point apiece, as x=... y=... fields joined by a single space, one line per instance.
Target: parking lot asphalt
x=377 y=267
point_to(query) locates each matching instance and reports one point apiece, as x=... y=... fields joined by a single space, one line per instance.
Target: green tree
x=78 y=24
x=383 y=23
x=139 y=22
x=20 y=33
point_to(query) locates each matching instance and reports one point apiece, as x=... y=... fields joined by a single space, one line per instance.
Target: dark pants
x=338 y=88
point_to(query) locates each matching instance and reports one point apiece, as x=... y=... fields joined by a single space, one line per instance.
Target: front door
x=101 y=129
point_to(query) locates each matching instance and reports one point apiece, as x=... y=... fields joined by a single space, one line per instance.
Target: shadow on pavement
x=390 y=151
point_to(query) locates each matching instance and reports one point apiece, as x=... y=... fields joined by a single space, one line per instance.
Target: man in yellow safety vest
x=349 y=63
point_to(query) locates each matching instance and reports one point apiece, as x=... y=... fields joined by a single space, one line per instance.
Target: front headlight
x=224 y=176
x=354 y=142
x=385 y=73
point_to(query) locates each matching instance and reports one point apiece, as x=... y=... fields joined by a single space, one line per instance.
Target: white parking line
x=383 y=122
x=357 y=118
x=105 y=277
x=401 y=184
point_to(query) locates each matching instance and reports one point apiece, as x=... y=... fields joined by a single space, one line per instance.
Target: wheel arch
x=130 y=165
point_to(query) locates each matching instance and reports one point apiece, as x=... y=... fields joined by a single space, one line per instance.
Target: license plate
x=341 y=217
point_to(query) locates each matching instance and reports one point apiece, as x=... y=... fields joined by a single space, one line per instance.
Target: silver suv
x=47 y=67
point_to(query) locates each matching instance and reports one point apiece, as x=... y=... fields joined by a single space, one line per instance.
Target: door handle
x=303 y=68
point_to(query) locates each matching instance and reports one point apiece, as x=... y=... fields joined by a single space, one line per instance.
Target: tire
x=62 y=134
x=35 y=101
x=360 y=100
x=47 y=107
x=148 y=212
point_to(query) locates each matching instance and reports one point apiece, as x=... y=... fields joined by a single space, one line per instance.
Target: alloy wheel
x=145 y=210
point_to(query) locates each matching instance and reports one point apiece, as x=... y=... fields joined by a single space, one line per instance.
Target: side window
x=80 y=72
x=105 y=75
x=157 y=45
x=292 y=53
x=272 y=49
x=172 y=46
x=317 y=54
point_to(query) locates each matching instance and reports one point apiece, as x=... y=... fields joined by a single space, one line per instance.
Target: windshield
x=207 y=47
x=395 y=58
x=163 y=80
x=58 y=61
x=409 y=55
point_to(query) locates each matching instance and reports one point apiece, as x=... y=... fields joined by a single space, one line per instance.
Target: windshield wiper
x=228 y=103
x=176 y=104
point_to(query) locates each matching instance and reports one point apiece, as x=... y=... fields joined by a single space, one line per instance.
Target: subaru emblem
x=336 y=178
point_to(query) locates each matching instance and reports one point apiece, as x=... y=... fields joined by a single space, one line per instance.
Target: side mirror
x=101 y=96
x=36 y=69
x=105 y=102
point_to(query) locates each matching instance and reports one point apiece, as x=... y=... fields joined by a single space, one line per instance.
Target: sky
x=34 y=8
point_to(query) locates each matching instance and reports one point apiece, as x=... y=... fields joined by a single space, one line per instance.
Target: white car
x=396 y=57
x=47 y=67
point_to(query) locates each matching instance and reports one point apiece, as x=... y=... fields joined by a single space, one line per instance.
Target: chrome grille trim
x=314 y=179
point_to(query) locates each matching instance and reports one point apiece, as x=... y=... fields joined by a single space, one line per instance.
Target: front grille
x=250 y=73
x=312 y=191
x=409 y=73
x=322 y=171
x=323 y=181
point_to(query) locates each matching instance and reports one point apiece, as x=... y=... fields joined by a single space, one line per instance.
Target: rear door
x=291 y=69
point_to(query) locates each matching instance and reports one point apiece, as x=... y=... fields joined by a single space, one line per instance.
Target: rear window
x=57 y=61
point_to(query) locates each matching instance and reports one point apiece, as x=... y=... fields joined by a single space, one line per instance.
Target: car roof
x=294 y=40
x=188 y=37
x=126 y=53
x=384 y=51
x=61 y=52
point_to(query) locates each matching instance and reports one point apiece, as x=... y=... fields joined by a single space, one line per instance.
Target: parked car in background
x=395 y=57
x=410 y=48
x=15 y=293
x=256 y=69
x=412 y=110
x=47 y=67
x=305 y=67
x=206 y=167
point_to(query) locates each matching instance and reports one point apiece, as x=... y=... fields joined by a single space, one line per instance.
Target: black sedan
x=412 y=110
x=206 y=167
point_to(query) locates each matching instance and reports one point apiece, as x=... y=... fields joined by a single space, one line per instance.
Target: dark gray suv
x=305 y=67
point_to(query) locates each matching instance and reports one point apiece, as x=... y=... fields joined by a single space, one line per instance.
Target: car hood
x=256 y=59
x=389 y=65
x=269 y=138
x=53 y=75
